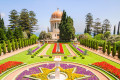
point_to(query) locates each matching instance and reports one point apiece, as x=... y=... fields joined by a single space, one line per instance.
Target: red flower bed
x=106 y=66
x=55 y=47
x=9 y=64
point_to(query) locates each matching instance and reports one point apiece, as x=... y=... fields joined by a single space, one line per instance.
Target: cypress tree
x=16 y=44
x=9 y=46
x=89 y=43
x=104 y=47
x=109 y=48
x=19 y=43
x=0 y=50
x=114 y=30
x=85 y=31
x=22 y=43
x=31 y=41
x=114 y=50
x=119 y=52
x=13 y=45
x=118 y=29
x=16 y=33
x=96 y=45
x=2 y=35
x=4 y=47
x=9 y=34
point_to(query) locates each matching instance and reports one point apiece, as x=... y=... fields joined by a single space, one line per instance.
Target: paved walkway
x=101 y=54
x=16 y=52
x=13 y=74
x=70 y=50
x=45 y=50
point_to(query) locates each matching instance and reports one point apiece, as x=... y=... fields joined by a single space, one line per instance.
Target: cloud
x=2 y=15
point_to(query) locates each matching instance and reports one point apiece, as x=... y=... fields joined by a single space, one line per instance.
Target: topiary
x=13 y=45
x=74 y=57
x=104 y=47
x=19 y=43
x=83 y=57
x=9 y=46
x=41 y=56
x=0 y=50
x=114 y=50
x=109 y=48
x=4 y=47
x=16 y=44
x=32 y=56
x=50 y=56
x=65 y=57
x=119 y=52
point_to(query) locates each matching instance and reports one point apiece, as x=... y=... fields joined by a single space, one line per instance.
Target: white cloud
x=2 y=15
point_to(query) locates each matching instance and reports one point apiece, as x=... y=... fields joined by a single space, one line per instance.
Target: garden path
x=101 y=54
x=45 y=50
x=70 y=50
x=16 y=52
x=13 y=74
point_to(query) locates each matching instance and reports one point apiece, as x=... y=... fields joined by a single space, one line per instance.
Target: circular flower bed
x=36 y=70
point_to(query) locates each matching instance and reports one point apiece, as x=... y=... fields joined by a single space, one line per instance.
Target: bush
x=22 y=43
x=104 y=47
x=4 y=47
x=0 y=50
x=65 y=57
x=41 y=56
x=109 y=48
x=19 y=43
x=13 y=45
x=16 y=44
x=32 y=56
x=9 y=46
x=114 y=50
x=97 y=45
x=83 y=57
x=119 y=52
x=50 y=56
x=74 y=57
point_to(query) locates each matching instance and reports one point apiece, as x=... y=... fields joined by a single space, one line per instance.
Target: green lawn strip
x=66 y=51
x=98 y=58
x=49 y=51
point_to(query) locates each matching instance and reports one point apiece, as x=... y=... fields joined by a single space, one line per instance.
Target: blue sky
x=77 y=9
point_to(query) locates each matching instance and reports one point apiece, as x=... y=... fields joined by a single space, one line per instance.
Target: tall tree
x=14 y=19
x=2 y=35
x=89 y=21
x=9 y=46
x=118 y=31
x=16 y=33
x=9 y=34
x=85 y=31
x=106 y=25
x=97 y=26
x=114 y=31
x=109 y=48
x=20 y=32
x=114 y=50
x=33 y=21
x=2 y=26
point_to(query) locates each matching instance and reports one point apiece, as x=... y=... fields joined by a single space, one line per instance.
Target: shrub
x=109 y=48
x=9 y=46
x=119 y=52
x=41 y=56
x=74 y=57
x=16 y=44
x=19 y=43
x=0 y=50
x=32 y=56
x=65 y=57
x=22 y=43
x=4 y=47
x=29 y=51
x=83 y=57
x=13 y=45
x=97 y=45
x=104 y=47
x=50 y=56
x=114 y=50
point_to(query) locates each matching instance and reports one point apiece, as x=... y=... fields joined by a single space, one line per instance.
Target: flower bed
x=106 y=66
x=54 y=51
x=79 y=49
x=36 y=70
x=36 y=49
x=8 y=65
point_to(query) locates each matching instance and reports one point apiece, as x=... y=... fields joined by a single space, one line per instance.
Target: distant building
x=54 y=23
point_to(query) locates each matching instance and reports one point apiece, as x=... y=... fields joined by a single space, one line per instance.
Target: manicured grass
x=66 y=51
x=49 y=51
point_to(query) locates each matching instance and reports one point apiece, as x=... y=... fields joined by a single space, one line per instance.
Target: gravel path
x=70 y=50
x=45 y=50
x=13 y=74
x=101 y=54
x=16 y=52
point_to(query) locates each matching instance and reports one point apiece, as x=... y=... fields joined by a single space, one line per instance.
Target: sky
x=77 y=9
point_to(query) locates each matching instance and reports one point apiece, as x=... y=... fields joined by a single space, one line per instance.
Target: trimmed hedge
x=9 y=46
x=4 y=47
x=0 y=50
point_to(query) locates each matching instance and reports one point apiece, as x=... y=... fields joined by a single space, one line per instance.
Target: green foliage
x=13 y=45
x=74 y=57
x=32 y=56
x=2 y=35
x=19 y=43
x=114 y=31
x=114 y=50
x=119 y=52
x=20 y=32
x=4 y=47
x=106 y=25
x=83 y=57
x=22 y=43
x=107 y=34
x=41 y=56
x=99 y=37
x=16 y=33
x=50 y=56
x=0 y=50
x=9 y=46
x=29 y=51
x=104 y=47
x=16 y=44
x=118 y=31
x=97 y=45
x=9 y=34
x=109 y=48
x=65 y=57
x=2 y=26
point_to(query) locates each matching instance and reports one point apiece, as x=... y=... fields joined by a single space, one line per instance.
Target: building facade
x=54 y=23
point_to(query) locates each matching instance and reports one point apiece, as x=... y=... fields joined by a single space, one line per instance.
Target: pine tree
x=14 y=19
x=4 y=47
x=114 y=31
x=118 y=31
x=9 y=34
x=13 y=45
x=16 y=33
x=119 y=52
x=9 y=46
x=114 y=50
x=16 y=44
x=19 y=43
x=2 y=35
x=0 y=50
x=20 y=32
x=89 y=21
x=106 y=25
x=104 y=47
x=85 y=31
x=2 y=26
x=109 y=48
